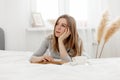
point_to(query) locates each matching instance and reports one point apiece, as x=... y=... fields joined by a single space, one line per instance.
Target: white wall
x=1 y=12
x=97 y=7
x=114 y=7
x=15 y=19
x=94 y=12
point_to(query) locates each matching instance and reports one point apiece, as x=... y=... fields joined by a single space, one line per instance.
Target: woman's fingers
x=44 y=60
x=47 y=58
x=65 y=34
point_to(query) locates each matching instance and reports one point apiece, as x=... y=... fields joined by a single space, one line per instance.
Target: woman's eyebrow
x=65 y=24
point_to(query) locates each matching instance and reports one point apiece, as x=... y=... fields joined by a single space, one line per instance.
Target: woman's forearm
x=35 y=59
x=63 y=53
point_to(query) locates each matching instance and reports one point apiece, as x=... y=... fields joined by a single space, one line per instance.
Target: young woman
x=63 y=44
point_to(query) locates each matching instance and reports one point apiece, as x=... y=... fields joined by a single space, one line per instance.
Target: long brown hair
x=72 y=41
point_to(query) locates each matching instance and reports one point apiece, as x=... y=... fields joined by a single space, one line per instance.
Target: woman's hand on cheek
x=65 y=34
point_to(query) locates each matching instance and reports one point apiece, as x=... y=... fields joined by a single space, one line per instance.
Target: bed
x=15 y=65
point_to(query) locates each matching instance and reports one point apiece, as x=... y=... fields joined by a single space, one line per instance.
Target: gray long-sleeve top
x=46 y=45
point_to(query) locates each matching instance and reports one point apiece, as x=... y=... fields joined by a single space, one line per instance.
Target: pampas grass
x=114 y=27
x=101 y=28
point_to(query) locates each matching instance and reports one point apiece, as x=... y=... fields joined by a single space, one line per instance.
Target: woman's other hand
x=64 y=35
x=44 y=58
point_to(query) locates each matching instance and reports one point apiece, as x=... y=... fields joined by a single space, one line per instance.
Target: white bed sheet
x=14 y=65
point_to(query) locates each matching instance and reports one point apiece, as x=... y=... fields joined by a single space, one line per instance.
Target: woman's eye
x=63 y=25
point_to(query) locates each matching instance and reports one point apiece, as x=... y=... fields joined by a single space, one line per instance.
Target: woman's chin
x=57 y=35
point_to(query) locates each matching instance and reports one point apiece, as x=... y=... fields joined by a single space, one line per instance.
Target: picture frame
x=37 y=20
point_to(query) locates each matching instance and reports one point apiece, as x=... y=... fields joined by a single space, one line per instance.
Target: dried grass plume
x=114 y=27
x=102 y=25
x=101 y=28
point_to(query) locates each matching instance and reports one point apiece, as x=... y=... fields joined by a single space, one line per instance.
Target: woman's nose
x=59 y=27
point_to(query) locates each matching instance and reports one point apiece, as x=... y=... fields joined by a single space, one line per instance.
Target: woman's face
x=60 y=27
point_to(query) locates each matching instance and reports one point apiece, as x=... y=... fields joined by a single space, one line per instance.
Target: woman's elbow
x=31 y=60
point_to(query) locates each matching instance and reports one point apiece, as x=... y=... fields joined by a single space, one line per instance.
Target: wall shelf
x=39 y=29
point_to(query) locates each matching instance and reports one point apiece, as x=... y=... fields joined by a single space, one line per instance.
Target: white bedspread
x=14 y=65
